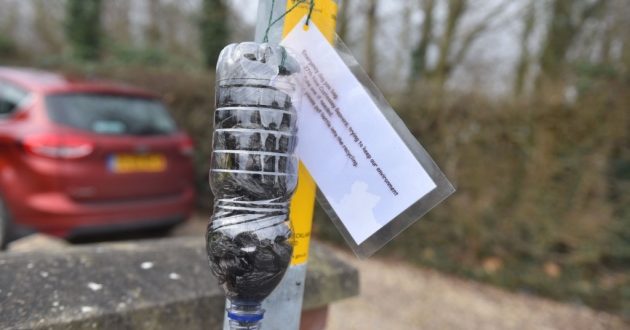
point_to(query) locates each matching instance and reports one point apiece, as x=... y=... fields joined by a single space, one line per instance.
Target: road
x=395 y=295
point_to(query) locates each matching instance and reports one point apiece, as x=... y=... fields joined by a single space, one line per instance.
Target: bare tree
x=9 y=17
x=419 y=55
x=405 y=39
x=214 y=31
x=525 y=57
x=443 y=68
x=47 y=17
x=83 y=28
x=116 y=22
x=487 y=22
x=343 y=19
x=453 y=44
x=370 y=37
x=567 y=20
x=152 y=31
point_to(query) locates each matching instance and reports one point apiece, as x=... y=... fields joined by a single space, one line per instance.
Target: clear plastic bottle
x=253 y=175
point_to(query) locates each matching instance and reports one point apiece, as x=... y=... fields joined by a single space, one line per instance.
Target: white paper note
x=361 y=165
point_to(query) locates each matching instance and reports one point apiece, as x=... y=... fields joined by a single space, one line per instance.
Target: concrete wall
x=161 y=284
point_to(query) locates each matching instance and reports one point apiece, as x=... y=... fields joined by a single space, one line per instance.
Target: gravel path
x=398 y=296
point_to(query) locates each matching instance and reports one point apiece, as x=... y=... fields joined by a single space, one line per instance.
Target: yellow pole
x=324 y=15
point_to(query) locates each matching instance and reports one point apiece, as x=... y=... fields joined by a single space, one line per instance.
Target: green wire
x=270 y=23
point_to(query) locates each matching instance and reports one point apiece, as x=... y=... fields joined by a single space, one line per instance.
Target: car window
x=11 y=98
x=110 y=114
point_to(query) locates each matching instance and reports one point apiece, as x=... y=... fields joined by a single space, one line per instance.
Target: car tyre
x=5 y=225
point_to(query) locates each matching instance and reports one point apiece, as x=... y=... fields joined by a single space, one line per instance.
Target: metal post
x=284 y=306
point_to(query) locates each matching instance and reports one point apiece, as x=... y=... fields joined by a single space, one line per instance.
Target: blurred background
x=524 y=104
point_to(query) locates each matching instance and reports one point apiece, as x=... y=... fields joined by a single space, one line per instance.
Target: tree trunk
x=152 y=31
x=562 y=31
x=45 y=25
x=214 y=32
x=419 y=55
x=83 y=28
x=116 y=21
x=523 y=63
x=560 y=35
x=370 y=38
x=343 y=19
x=443 y=68
x=405 y=40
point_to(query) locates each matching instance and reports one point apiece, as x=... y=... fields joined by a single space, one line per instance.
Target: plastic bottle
x=253 y=175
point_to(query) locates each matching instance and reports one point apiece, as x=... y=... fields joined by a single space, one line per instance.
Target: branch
x=474 y=33
x=456 y=9
x=419 y=54
x=592 y=10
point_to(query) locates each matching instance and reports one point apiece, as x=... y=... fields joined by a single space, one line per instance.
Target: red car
x=81 y=157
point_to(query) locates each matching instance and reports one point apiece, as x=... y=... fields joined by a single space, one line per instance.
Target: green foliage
x=214 y=31
x=83 y=28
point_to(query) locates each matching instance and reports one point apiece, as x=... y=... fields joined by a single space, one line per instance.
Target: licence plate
x=130 y=163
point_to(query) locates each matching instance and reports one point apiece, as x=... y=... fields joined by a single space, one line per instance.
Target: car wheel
x=4 y=225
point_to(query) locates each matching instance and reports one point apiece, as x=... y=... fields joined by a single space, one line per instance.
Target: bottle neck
x=245 y=316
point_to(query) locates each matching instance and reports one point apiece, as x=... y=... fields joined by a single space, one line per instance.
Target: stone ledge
x=160 y=284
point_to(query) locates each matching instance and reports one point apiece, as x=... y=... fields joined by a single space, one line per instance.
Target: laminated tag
x=374 y=177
